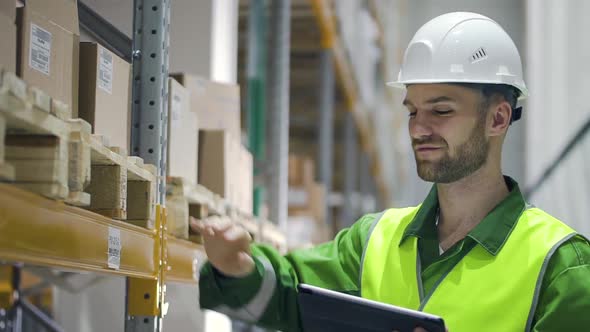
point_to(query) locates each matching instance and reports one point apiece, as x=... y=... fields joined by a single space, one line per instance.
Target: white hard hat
x=462 y=47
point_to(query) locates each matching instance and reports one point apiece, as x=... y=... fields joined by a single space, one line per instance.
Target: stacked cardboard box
x=217 y=104
x=183 y=134
x=8 y=35
x=306 y=204
x=105 y=93
x=48 y=51
x=225 y=167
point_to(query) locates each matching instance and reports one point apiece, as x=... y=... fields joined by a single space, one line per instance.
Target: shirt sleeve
x=268 y=296
x=564 y=300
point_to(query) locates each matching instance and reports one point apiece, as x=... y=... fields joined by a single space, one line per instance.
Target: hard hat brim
x=402 y=84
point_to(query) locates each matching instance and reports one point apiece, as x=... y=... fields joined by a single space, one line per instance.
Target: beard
x=469 y=157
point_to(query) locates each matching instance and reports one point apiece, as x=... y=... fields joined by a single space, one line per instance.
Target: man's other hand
x=227 y=245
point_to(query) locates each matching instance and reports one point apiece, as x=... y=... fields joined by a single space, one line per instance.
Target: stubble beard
x=470 y=156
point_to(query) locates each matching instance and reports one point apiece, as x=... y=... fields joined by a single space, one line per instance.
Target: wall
x=558 y=81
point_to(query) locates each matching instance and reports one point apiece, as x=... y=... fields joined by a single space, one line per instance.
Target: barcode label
x=176 y=112
x=105 y=71
x=40 y=49
x=114 y=247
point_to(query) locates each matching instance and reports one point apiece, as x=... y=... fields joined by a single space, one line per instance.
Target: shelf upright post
x=326 y=127
x=151 y=27
x=350 y=211
x=278 y=95
x=151 y=21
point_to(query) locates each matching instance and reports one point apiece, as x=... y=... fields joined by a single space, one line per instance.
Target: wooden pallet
x=44 y=151
x=79 y=162
x=121 y=187
x=34 y=145
x=184 y=199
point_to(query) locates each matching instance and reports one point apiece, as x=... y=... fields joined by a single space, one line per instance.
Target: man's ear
x=499 y=117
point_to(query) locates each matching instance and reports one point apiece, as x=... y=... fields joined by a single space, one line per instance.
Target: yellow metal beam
x=326 y=22
x=184 y=259
x=145 y=296
x=41 y=231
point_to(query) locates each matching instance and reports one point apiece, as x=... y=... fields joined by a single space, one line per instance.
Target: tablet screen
x=325 y=310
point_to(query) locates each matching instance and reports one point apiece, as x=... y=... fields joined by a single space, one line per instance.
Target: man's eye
x=412 y=114
x=443 y=112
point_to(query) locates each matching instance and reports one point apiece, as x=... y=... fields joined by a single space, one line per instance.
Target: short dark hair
x=489 y=91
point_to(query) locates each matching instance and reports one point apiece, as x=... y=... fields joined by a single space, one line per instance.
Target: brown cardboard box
x=183 y=134
x=217 y=104
x=225 y=168
x=49 y=48
x=8 y=8
x=244 y=181
x=215 y=153
x=308 y=200
x=8 y=38
x=105 y=93
x=301 y=170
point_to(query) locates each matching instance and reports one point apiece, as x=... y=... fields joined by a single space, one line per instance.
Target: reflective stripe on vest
x=482 y=292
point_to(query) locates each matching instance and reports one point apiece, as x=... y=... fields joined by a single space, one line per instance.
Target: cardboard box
x=183 y=134
x=215 y=160
x=308 y=200
x=8 y=38
x=243 y=180
x=225 y=168
x=105 y=94
x=217 y=104
x=48 y=48
x=301 y=171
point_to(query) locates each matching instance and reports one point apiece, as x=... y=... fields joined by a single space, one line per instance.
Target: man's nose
x=419 y=127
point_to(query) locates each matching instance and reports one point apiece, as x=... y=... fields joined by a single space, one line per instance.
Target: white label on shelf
x=105 y=71
x=114 y=259
x=40 y=49
x=176 y=112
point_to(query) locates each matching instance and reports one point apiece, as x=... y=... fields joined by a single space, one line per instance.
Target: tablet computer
x=325 y=310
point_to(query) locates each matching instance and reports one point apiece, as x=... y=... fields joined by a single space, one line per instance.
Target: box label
x=176 y=112
x=114 y=245
x=105 y=71
x=40 y=49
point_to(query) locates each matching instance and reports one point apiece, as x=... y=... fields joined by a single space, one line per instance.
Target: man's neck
x=464 y=203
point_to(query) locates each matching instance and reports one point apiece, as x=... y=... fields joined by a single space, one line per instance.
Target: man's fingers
x=236 y=233
x=222 y=225
x=419 y=329
x=210 y=225
x=197 y=225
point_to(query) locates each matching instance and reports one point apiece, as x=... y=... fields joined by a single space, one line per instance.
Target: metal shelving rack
x=38 y=231
x=346 y=79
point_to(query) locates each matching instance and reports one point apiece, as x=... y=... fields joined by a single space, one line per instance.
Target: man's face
x=447 y=128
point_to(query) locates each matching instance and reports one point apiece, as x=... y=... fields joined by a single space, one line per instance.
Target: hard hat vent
x=478 y=55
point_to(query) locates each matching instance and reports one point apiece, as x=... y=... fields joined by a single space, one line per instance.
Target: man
x=474 y=252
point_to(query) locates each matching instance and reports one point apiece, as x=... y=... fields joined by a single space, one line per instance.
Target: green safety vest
x=482 y=292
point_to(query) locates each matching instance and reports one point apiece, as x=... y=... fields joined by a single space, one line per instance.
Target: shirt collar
x=491 y=233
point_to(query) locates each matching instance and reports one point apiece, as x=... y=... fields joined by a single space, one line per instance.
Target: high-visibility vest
x=482 y=292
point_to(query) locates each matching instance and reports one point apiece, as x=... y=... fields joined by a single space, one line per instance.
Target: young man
x=474 y=252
